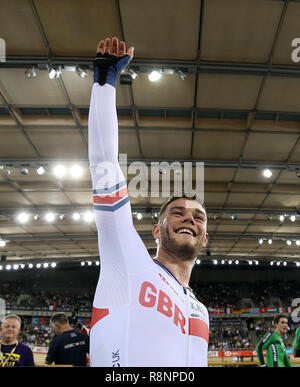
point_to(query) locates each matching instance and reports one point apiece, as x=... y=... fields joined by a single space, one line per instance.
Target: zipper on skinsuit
x=187 y=309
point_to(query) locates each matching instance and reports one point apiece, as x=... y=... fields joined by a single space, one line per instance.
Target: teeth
x=185 y=230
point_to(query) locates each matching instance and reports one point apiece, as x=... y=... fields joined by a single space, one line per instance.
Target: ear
x=156 y=232
x=205 y=241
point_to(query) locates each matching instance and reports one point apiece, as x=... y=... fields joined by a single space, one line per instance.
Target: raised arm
x=122 y=252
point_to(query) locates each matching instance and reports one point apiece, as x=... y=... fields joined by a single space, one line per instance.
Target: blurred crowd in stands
x=225 y=334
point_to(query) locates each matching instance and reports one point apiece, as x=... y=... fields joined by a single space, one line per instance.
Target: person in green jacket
x=296 y=343
x=272 y=342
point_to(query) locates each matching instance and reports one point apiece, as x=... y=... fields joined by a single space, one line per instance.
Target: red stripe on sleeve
x=97 y=315
x=111 y=199
x=198 y=328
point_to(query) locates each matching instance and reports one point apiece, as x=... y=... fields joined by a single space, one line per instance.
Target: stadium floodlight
x=23 y=217
x=88 y=216
x=298 y=242
x=76 y=216
x=261 y=241
x=215 y=261
x=229 y=262
x=281 y=218
x=30 y=73
x=271 y=263
x=15 y=267
x=45 y=265
x=284 y=263
x=59 y=171
x=250 y=262
x=97 y=263
x=288 y=242
x=139 y=216
x=30 y=266
x=76 y=171
x=154 y=76
x=40 y=171
x=267 y=173
x=237 y=261
x=81 y=73
x=38 y=265
x=82 y=263
x=55 y=72
x=50 y=217
x=53 y=264
x=8 y=267
x=223 y=261
x=292 y=218
x=24 y=171
x=2 y=243
x=270 y=241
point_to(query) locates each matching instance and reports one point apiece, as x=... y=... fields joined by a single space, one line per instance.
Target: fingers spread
x=130 y=52
x=122 y=48
x=107 y=46
x=115 y=47
x=101 y=47
x=112 y=46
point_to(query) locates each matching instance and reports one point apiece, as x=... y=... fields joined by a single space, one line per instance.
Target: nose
x=188 y=217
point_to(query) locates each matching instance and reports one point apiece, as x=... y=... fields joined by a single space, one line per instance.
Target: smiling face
x=10 y=329
x=182 y=229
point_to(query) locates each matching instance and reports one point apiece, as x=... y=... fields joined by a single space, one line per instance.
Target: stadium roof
x=228 y=96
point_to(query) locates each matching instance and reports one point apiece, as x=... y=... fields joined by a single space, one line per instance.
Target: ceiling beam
x=145 y=65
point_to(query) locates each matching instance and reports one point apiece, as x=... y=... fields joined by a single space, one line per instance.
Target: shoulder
x=199 y=307
x=24 y=347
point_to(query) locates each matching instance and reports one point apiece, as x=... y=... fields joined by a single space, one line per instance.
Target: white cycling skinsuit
x=142 y=316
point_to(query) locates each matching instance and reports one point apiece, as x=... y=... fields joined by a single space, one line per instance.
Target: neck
x=66 y=328
x=181 y=269
x=5 y=341
x=280 y=333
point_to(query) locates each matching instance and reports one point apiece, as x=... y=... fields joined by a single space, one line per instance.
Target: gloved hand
x=111 y=59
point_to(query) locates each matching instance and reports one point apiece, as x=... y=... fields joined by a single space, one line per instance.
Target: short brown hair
x=175 y=197
x=278 y=316
x=60 y=318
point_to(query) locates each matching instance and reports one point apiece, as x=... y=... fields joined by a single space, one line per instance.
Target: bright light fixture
x=23 y=217
x=154 y=76
x=267 y=173
x=41 y=170
x=76 y=171
x=2 y=243
x=59 y=171
x=81 y=72
x=88 y=216
x=50 y=217
x=76 y=216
